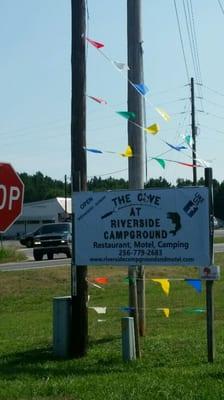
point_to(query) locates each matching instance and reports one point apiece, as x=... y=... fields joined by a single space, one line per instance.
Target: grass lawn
x=219 y=239
x=174 y=356
x=10 y=254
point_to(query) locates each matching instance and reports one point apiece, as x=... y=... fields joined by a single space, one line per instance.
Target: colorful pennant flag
x=102 y=280
x=195 y=283
x=166 y=312
x=195 y=310
x=141 y=88
x=95 y=285
x=163 y=114
x=188 y=164
x=188 y=140
x=121 y=66
x=127 y=309
x=177 y=147
x=128 y=152
x=97 y=99
x=127 y=114
x=160 y=161
x=165 y=284
x=128 y=279
x=153 y=129
x=93 y=150
x=99 y=310
x=98 y=45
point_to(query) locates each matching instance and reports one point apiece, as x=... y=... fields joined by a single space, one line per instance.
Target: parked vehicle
x=53 y=239
x=27 y=238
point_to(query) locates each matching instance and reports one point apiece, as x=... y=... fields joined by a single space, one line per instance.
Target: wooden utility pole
x=136 y=141
x=194 y=131
x=79 y=289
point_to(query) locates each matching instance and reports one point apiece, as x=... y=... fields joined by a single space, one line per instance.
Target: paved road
x=26 y=265
x=219 y=232
x=57 y=261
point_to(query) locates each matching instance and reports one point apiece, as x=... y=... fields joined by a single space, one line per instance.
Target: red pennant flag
x=98 y=45
x=188 y=164
x=103 y=280
x=98 y=100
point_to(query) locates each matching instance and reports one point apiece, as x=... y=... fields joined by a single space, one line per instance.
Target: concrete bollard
x=128 y=339
x=62 y=326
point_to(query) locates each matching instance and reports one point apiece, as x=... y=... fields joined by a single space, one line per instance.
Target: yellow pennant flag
x=163 y=114
x=165 y=284
x=128 y=152
x=153 y=129
x=166 y=312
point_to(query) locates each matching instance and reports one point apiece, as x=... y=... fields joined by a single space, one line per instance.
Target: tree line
x=39 y=187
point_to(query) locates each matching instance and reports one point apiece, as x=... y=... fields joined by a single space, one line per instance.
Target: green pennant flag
x=188 y=139
x=160 y=161
x=127 y=279
x=195 y=310
x=127 y=114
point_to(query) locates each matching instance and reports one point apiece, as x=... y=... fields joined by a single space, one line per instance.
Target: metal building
x=38 y=213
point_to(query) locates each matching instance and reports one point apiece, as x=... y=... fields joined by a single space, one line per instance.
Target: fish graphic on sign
x=175 y=218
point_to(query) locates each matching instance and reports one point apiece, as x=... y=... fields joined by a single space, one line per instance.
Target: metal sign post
x=209 y=283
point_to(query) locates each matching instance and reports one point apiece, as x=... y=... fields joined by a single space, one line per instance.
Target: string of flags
x=166 y=311
x=153 y=129
x=128 y=115
x=165 y=286
x=129 y=153
x=126 y=153
x=141 y=88
x=164 y=283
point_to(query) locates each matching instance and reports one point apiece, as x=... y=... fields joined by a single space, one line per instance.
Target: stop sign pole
x=11 y=196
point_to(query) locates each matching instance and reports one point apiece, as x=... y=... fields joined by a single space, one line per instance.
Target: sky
x=35 y=81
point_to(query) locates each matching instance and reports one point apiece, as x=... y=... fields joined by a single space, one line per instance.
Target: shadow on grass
x=42 y=362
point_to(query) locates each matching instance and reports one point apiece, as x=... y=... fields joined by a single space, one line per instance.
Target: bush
x=10 y=254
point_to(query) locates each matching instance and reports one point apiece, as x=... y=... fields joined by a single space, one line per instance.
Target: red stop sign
x=11 y=196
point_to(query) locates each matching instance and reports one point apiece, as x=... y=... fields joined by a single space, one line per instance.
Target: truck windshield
x=55 y=228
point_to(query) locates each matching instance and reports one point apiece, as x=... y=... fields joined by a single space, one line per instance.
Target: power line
x=221 y=6
x=213 y=90
x=190 y=25
x=181 y=40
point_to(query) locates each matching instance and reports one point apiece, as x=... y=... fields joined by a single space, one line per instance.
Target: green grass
x=10 y=254
x=218 y=239
x=174 y=358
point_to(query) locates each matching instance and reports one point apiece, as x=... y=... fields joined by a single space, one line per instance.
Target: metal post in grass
x=209 y=283
x=62 y=326
x=128 y=339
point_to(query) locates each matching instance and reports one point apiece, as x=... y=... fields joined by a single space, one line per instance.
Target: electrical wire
x=221 y=6
x=190 y=26
x=181 y=41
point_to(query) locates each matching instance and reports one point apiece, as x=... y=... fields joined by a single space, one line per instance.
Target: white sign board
x=149 y=227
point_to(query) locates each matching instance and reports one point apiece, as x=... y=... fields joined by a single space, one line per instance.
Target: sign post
x=209 y=283
x=11 y=196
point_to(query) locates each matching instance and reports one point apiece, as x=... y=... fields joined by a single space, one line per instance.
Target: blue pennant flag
x=176 y=147
x=93 y=150
x=140 y=87
x=127 y=309
x=195 y=283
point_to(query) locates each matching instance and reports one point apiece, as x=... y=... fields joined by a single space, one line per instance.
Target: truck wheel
x=50 y=256
x=38 y=255
x=29 y=243
x=68 y=254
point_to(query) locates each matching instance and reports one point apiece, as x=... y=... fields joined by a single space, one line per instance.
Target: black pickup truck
x=54 y=238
